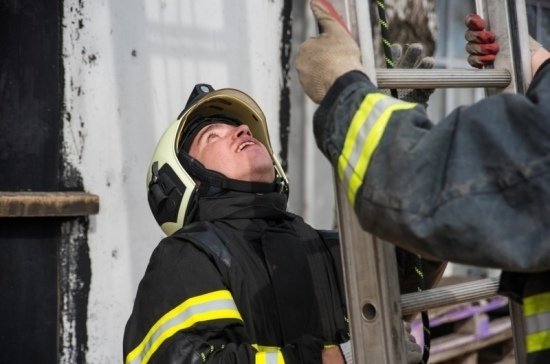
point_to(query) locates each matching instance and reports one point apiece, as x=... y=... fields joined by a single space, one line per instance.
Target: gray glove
x=347 y=353
x=410 y=56
x=321 y=60
x=413 y=350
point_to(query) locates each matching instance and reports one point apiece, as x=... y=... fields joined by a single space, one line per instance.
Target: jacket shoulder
x=206 y=235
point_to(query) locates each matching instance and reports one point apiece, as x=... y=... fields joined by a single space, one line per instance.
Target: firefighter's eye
x=211 y=136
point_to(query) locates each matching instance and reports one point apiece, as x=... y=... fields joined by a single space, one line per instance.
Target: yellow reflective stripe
x=359 y=119
x=210 y=306
x=539 y=303
x=538 y=342
x=269 y=357
x=370 y=120
x=265 y=348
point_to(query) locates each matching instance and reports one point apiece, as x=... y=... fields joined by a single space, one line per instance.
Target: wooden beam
x=454 y=345
x=47 y=204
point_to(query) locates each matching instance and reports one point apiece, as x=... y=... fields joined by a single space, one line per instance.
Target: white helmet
x=171 y=190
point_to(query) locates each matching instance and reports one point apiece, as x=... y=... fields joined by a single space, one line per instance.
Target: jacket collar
x=242 y=205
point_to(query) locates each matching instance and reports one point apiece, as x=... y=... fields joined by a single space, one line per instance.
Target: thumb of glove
x=321 y=60
x=327 y=16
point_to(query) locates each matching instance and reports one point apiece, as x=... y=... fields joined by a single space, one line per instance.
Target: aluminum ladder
x=372 y=289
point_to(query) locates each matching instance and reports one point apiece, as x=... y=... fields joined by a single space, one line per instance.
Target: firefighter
x=473 y=188
x=238 y=278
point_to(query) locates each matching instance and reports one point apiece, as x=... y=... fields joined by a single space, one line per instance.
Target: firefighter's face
x=232 y=151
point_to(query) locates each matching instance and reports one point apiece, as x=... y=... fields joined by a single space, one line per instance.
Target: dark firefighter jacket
x=472 y=189
x=264 y=288
x=248 y=282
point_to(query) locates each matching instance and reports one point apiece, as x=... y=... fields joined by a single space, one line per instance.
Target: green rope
x=385 y=38
x=425 y=319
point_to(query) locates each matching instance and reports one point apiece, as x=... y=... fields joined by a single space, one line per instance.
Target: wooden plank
x=457 y=345
x=461 y=311
x=48 y=204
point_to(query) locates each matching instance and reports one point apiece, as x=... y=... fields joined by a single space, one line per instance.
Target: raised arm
x=473 y=189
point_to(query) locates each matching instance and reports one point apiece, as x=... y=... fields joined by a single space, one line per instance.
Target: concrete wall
x=129 y=67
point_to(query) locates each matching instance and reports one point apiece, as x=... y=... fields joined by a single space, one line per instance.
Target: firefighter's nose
x=242 y=130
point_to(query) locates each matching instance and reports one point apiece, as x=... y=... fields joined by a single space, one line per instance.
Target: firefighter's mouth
x=244 y=145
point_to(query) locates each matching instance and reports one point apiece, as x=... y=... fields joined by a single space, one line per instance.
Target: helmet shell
x=170 y=188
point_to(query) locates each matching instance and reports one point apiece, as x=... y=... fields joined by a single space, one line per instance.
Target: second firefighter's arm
x=470 y=189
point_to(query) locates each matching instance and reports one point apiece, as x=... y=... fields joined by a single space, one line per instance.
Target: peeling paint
x=284 y=100
x=74 y=282
x=92 y=58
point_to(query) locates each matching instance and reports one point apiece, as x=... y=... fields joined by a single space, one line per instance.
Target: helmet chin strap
x=212 y=182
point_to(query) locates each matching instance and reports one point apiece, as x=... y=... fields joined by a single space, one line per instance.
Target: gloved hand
x=321 y=60
x=481 y=47
x=347 y=354
x=409 y=57
x=413 y=350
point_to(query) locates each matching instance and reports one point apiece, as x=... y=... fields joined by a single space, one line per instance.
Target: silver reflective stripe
x=362 y=138
x=537 y=323
x=271 y=357
x=211 y=306
x=363 y=133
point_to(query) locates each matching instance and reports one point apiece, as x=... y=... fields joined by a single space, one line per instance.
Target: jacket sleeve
x=473 y=188
x=184 y=312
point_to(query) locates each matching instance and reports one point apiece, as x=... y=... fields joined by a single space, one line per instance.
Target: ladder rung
x=449 y=295
x=442 y=78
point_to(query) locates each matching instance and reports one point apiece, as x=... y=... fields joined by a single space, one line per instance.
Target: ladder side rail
x=508 y=20
x=370 y=274
x=372 y=291
x=509 y=23
x=518 y=331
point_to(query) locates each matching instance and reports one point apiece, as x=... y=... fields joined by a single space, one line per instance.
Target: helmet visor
x=194 y=126
x=227 y=103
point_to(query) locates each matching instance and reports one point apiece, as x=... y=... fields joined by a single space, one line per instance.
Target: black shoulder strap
x=208 y=235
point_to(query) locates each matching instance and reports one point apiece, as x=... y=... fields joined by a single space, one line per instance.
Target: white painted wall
x=129 y=68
